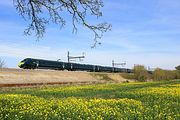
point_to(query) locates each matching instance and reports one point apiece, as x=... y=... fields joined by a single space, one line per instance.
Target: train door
x=96 y=68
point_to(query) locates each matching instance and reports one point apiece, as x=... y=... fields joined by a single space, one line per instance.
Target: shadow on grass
x=105 y=91
x=153 y=104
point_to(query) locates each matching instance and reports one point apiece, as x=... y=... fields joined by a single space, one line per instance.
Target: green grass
x=150 y=100
x=101 y=76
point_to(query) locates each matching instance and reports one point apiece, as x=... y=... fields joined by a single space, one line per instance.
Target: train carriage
x=30 y=63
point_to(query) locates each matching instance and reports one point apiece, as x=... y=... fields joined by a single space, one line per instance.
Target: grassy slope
x=158 y=100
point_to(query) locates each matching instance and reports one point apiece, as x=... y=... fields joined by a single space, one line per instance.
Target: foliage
x=150 y=101
x=30 y=107
x=140 y=73
x=177 y=73
x=130 y=76
x=42 y=12
x=102 y=76
x=160 y=74
x=178 y=67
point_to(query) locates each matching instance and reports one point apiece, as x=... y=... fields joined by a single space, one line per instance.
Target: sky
x=145 y=32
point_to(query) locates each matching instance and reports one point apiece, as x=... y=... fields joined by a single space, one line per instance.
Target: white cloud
x=20 y=51
x=123 y=43
x=166 y=61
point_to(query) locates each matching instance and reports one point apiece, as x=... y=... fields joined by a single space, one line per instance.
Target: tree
x=140 y=73
x=160 y=74
x=37 y=10
x=2 y=63
x=178 y=67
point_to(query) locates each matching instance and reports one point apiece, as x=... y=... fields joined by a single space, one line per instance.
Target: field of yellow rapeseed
x=128 y=101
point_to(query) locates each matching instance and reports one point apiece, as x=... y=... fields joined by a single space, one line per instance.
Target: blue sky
x=143 y=32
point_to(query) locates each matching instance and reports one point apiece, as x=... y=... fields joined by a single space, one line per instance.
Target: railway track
x=40 y=84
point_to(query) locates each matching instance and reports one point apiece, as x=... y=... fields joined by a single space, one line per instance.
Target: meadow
x=125 y=101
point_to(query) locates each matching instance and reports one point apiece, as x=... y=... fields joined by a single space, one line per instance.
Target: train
x=31 y=63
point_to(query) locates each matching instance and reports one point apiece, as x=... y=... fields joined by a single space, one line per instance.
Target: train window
x=24 y=60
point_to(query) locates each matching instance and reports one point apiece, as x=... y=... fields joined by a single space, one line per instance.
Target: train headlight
x=20 y=64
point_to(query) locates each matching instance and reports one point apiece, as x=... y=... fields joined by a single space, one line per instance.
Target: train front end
x=21 y=64
x=24 y=63
x=28 y=63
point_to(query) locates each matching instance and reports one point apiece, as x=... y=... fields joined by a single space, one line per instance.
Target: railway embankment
x=21 y=77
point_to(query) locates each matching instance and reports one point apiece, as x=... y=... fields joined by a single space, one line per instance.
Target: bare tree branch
x=2 y=63
x=37 y=10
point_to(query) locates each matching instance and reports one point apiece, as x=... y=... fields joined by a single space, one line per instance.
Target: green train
x=31 y=63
